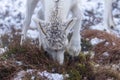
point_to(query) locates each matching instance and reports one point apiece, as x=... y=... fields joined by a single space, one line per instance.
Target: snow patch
x=95 y=41
x=32 y=34
x=2 y=50
x=106 y=54
x=49 y=76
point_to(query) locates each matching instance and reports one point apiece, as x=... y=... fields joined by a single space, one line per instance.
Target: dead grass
x=34 y=58
x=102 y=73
x=111 y=44
x=7 y=70
x=79 y=68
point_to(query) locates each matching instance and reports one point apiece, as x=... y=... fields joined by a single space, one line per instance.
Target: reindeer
x=54 y=27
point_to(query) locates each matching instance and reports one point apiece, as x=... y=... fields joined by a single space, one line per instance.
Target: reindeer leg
x=107 y=17
x=74 y=46
x=111 y=21
x=40 y=16
x=31 y=4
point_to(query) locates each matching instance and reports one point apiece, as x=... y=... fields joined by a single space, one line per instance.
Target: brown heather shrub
x=102 y=73
x=8 y=69
x=79 y=68
x=110 y=44
x=34 y=58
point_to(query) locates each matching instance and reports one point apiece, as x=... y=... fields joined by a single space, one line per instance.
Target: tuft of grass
x=111 y=44
x=103 y=73
x=74 y=75
x=7 y=69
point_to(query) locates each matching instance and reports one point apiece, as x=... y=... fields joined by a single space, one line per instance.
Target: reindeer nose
x=56 y=50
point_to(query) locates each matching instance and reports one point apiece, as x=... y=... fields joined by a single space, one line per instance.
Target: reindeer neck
x=59 y=7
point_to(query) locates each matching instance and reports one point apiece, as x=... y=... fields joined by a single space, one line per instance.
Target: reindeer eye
x=60 y=46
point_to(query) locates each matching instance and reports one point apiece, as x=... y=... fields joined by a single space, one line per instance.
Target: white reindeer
x=55 y=26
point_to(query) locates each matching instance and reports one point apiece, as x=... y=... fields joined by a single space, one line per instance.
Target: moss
x=86 y=46
x=81 y=68
x=74 y=75
x=12 y=51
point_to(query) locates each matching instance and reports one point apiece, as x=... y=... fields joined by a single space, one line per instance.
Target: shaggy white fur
x=54 y=25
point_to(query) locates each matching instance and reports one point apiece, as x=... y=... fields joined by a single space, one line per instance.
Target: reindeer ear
x=70 y=23
x=41 y=24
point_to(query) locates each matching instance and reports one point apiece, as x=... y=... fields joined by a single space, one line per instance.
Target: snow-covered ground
x=44 y=74
x=12 y=14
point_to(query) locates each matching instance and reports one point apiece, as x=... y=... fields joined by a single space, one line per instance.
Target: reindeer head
x=55 y=33
x=55 y=30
